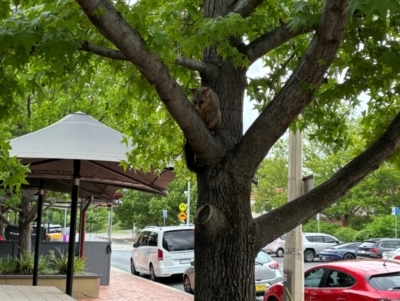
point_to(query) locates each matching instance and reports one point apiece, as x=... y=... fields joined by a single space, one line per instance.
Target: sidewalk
x=124 y=286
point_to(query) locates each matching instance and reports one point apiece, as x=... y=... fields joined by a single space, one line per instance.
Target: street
x=120 y=259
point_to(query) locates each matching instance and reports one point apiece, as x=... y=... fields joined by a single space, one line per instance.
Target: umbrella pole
x=38 y=233
x=72 y=227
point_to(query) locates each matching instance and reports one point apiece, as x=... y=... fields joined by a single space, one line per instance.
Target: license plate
x=260 y=287
x=361 y=252
x=183 y=261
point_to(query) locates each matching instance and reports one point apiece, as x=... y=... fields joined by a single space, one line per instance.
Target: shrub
x=363 y=235
x=26 y=263
x=8 y=265
x=60 y=264
x=324 y=227
x=358 y=223
x=382 y=226
x=345 y=234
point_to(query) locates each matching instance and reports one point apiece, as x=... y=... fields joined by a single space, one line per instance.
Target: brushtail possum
x=206 y=103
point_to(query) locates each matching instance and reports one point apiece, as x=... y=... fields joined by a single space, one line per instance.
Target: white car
x=391 y=255
x=163 y=251
x=313 y=244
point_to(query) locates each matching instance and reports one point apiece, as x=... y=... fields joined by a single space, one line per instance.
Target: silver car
x=267 y=272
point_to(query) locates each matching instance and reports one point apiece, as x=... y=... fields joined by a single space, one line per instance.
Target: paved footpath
x=127 y=287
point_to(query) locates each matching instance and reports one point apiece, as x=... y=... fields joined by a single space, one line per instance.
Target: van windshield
x=179 y=240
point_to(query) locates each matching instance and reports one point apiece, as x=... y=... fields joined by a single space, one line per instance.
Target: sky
x=249 y=115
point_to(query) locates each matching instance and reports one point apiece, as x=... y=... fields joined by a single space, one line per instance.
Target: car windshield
x=179 y=240
x=385 y=282
x=263 y=258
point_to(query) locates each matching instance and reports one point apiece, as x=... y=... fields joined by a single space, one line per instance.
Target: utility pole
x=293 y=263
x=188 y=205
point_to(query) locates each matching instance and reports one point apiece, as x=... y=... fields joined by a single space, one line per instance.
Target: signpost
x=182 y=215
x=164 y=214
x=395 y=212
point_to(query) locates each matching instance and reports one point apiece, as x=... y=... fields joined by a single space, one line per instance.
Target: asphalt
x=125 y=286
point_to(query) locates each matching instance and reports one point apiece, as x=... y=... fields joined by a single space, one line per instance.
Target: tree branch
x=245 y=7
x=271 y=40
x=309 y=204
x=117 y=55
x=10 y=207
x=4 y=220
x=131 y=44
x=298 y=90
x=102 y=51
x=191 y=64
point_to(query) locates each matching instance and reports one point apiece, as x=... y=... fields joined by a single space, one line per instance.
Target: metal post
x=38 y=233
x=188 y=205
x=72 y=227
x=293 y=266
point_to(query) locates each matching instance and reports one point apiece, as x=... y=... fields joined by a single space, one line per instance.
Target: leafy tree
x=143 y=209
x=96 y=219
x=272 y=175
x=145 y=56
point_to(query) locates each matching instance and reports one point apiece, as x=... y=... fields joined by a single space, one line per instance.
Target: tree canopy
x=132 y=65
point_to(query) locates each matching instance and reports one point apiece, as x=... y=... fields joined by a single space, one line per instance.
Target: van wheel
x=133 y=269
x=280 y=252
x=153 y=276
x=186 y=285
x=309 y=255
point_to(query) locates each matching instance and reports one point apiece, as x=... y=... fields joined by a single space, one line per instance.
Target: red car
x=349 y=280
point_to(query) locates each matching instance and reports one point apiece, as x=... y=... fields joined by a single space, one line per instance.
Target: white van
x=163 y=251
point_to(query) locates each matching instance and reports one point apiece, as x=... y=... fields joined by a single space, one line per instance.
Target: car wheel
x=349 y=256
x=186 y=285
x=280 y=252
x=309 y=255
x=153 y=276
x=133 y=269
x=272 y=299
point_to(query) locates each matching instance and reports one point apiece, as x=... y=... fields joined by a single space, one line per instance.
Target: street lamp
x=187 y=194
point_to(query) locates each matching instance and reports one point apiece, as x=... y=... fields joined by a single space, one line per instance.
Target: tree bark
x=26 y=216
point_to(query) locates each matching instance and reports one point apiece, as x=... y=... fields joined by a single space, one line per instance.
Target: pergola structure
x=81 y=156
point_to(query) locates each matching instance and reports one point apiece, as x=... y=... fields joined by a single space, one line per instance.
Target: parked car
x=343 y=251
x=276 y=247
x=355 y=280
x=266 y=273
x=391 y=255
x=163 y=251
x=313 y=244
x=374 y=247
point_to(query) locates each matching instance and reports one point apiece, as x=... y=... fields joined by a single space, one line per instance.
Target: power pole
x=293 y=263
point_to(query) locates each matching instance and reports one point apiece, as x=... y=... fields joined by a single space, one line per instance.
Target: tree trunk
x=24 y=223
x=224 y=229
x=345 y=220
x=1 y=222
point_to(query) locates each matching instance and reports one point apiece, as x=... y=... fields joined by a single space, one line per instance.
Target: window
x=315 y=238
x=339 y=279
x=152 y=239
x=180 y=240
x=385 y=282
x=142 y=239
x=330 y=239
x=313 y=277
x=390 y=244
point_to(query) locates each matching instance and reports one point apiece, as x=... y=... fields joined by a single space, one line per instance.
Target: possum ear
x=206 y=91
